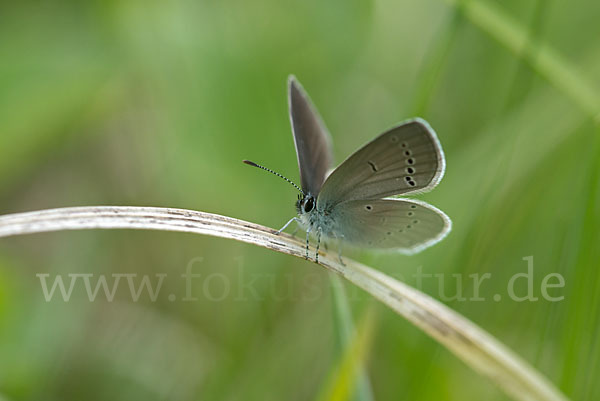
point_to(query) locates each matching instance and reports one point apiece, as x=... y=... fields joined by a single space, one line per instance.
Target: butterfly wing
x=405 y=225
x=405 y=159
x=312 y=140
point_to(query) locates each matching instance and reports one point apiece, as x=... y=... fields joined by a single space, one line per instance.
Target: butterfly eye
x=309 y=204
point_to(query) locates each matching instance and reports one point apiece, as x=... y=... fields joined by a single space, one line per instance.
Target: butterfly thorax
x=312 y=218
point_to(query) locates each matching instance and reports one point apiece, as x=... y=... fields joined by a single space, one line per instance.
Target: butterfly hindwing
x=405 y=159
x=404 y=225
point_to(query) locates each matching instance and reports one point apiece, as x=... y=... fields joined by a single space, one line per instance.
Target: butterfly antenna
x=248 y=162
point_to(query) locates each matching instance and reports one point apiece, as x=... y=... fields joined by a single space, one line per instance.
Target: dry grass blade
x=470 y=343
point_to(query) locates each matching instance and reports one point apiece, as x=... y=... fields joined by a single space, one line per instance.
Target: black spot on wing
x=373 y=166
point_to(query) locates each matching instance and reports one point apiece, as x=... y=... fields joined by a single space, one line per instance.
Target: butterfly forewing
x=401 y=224
x=405 y=159
x=312 y=140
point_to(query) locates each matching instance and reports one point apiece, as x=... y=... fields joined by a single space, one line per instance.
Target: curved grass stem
x=477 y=348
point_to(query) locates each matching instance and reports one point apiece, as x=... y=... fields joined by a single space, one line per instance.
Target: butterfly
x=352 y=203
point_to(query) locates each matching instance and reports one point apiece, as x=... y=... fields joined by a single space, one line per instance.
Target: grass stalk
x=543 y=58
x=477 y=348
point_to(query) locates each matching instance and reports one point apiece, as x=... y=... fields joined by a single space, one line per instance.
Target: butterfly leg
x=287 y=224
x=318 y=244
x=340 y=253
x=307 y=238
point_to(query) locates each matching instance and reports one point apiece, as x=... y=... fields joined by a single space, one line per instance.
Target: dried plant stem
x=470 y=343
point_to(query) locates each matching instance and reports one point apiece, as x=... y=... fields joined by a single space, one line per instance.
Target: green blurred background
x=156 y=103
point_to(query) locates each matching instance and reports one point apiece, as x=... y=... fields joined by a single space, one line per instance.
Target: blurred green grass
x=157 y=103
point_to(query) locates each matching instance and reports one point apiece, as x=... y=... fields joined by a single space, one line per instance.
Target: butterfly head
x=305 y=204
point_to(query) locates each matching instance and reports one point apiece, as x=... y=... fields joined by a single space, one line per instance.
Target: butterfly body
x=317 y=218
